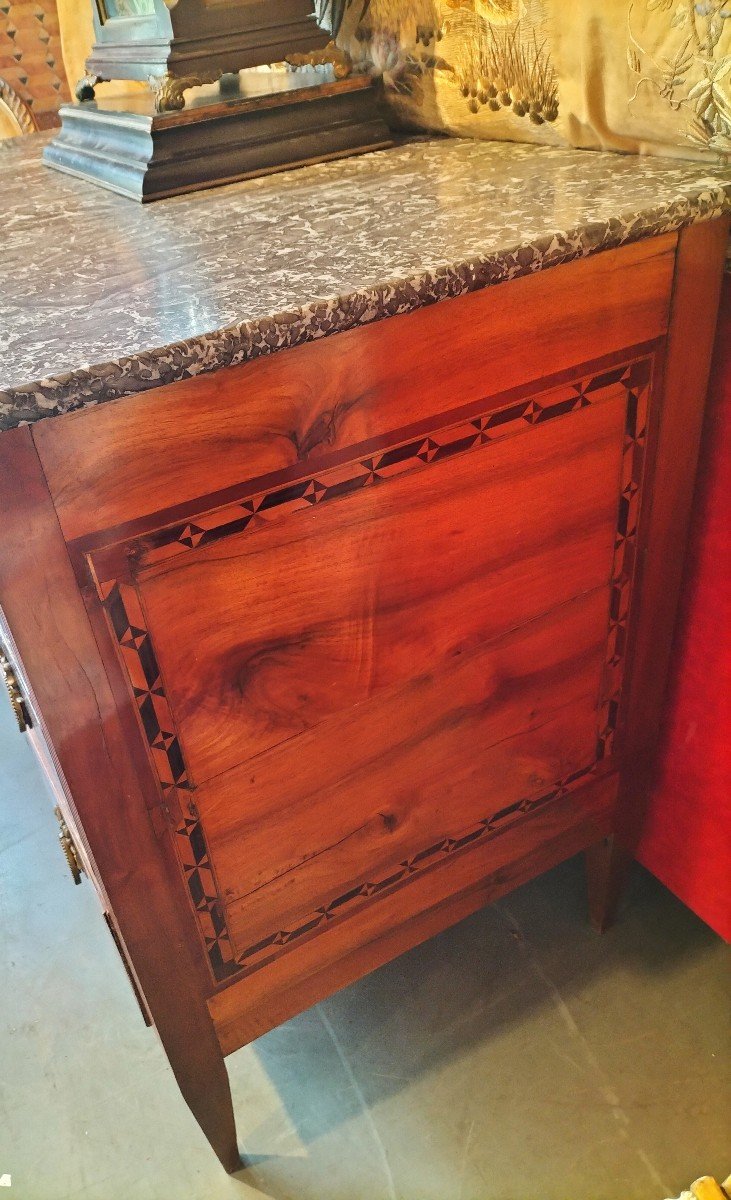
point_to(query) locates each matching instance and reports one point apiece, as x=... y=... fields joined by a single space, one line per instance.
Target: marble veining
x=103 y=298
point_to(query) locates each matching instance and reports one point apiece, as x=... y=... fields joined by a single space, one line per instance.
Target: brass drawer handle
x=69 y=849
x=17 y=702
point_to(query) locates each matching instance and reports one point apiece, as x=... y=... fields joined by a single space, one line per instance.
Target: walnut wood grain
x=151 y=452
x=514 y=683
x=263 y=634
x=675 y=443
x=506 y=725
x=676 y=435
x=312 y=970
x=152 y=588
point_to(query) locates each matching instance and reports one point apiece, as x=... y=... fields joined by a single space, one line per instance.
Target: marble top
x=102 y=297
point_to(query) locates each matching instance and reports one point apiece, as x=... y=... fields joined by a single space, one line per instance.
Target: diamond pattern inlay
x=127 y=623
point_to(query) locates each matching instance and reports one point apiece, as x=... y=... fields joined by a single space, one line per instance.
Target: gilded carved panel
x=647 y=76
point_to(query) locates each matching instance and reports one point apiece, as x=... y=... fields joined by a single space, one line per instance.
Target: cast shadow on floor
x=474 y=984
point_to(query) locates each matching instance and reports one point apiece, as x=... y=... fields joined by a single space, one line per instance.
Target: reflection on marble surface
x=103 y=298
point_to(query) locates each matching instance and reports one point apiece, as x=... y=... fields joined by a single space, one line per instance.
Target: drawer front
x=351 y=678
x=73 y=842
x=31 y=725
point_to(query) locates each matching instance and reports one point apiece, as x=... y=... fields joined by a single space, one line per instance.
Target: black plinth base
x=272 y=120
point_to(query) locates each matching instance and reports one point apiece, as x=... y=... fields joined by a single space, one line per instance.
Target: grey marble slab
x=103 y=298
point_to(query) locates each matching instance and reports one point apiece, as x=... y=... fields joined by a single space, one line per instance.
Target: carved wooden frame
x=19 y=108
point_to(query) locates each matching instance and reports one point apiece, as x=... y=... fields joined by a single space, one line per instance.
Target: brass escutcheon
x=69 y=849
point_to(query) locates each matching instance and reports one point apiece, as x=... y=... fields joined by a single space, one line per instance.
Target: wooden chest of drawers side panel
x=125 y=461
x=93 y=719
x=314 y=607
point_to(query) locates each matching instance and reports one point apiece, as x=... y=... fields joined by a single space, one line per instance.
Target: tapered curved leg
x=203 y=1080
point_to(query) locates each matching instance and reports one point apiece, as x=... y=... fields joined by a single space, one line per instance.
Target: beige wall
x=77 y=35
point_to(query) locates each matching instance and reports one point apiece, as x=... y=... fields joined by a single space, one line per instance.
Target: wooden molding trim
x=673 y=448
x=19 y=109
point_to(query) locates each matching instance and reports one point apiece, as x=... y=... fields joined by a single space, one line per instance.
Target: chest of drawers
x=323 y=651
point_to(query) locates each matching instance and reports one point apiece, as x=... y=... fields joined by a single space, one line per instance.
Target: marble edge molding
x=236 y=344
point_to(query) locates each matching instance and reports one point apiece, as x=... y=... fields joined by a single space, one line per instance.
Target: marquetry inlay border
x=127 y=622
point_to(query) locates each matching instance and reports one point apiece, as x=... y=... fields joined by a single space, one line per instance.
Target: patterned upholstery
x=32 y=76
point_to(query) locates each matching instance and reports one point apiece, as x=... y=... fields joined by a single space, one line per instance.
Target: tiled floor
x=516 y=1057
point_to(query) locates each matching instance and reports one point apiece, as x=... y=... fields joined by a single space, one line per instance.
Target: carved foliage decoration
x=491 y=54
x=632 y=75
x=680 y=53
